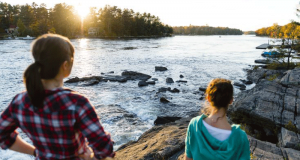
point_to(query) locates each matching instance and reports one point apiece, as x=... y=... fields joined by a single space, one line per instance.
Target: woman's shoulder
x=196 y=120
x=236 y=129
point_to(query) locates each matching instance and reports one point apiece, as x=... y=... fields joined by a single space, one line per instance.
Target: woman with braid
x=57 y=120
x=210 y=136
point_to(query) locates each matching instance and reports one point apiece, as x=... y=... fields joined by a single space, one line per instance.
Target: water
x=198 y=58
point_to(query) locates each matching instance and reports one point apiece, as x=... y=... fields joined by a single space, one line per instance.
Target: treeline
x=63 y=19
x=289 y=30
x=206 y=30
x=249 y=32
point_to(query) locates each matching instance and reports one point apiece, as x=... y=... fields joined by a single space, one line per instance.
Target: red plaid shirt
x=58 y=130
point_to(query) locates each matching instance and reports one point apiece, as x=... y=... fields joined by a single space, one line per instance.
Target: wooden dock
x=263 y=46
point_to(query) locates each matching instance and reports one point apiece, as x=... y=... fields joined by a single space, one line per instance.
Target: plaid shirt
x=58 y=130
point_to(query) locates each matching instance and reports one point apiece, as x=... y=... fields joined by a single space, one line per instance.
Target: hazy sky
x=242 y=14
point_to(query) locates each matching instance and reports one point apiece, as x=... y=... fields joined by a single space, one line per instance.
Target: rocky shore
x=269 y=113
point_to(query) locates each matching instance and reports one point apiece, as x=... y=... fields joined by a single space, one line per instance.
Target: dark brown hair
x=220 y=92
x=49 y=51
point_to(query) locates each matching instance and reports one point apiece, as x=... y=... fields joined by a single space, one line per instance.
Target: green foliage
x=206 y=30
x=63 y=19
x=272 y=77
x=290 y=126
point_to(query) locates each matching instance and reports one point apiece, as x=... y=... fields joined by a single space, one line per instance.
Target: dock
x=263 y=46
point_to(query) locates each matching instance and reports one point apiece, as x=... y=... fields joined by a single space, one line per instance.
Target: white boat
x=28 y=38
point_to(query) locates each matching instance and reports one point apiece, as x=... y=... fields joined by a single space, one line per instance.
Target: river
x=198 y=58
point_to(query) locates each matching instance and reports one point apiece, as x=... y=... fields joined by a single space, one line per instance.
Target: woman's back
x=58 y=130
x=200 y=144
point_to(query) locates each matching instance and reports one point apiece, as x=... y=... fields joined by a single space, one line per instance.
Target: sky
x=241 y=14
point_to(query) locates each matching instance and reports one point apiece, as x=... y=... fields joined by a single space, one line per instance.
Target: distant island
x=206 y=30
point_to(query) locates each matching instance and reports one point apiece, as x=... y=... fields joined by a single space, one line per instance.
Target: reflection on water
x=198 y=58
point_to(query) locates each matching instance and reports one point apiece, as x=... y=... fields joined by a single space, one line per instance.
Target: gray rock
x=289 y=139
x=181 y=81
x=142 y=83
x=163 y=89
x=76 y=79
x=91 y=82
x=292 y=154
x=164 y=100
x=268 y=104
x=154 y=79
x=181 y=76
x=292 y=77
x=131 y=75
x=202 y=89
x=260 y=73
x=150 y=82
x=240 y=85
x=264 y=150
x=263 y=61
x=160 y=68
x=169 y=80
x=114 y=78
x=73 y=80
x=175 y=90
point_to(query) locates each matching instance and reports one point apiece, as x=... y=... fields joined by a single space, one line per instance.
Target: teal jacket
x=199 y=144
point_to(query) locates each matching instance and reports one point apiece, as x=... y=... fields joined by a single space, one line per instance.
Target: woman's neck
x=217 y=118
x=50 y=84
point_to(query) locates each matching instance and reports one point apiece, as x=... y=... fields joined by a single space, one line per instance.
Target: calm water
x=197 y=58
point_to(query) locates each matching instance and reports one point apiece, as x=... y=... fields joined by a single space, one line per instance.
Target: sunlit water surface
x=198 y=58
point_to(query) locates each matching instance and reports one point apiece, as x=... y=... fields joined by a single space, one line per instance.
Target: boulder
x=114 y=78
x=240 y=85
x=181 y=81
x=163 y=120
x=292 y=77
x=246 y=81
x=175 y=90
x=158 y=143
x=289 y=139
x=163 y=89
x=154 y=79
x=263 y=61
x=142 y=83
x=256 y=75
x=91 y=82
x=181 y=76
x=160 y=68
x=73 y=80
x=164 y=100
x=169 y=80
x=150 y=82
x=202 y=89
x=269 y=105
x=131 y=75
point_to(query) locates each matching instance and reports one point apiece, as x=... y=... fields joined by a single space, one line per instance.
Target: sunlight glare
x=82 y=10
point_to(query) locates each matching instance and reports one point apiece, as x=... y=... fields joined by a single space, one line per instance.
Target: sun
x=82 y=10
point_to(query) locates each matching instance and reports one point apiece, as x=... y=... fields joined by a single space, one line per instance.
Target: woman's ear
x=231 y=100
x=208 y=98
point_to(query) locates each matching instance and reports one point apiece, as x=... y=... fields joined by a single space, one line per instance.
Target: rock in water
x=160 y=68
x=164 y=100
x=142 y=83
x=73 y=80
x=181 y=76
x=131 y=75
x=150 y=82
x=163 y=120
x=164 y=89
x=175 y=90
x=169 y=80
x=202 y=89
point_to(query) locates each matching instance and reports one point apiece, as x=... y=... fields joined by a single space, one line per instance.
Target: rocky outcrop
x=159 y=143
x=126 y=75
